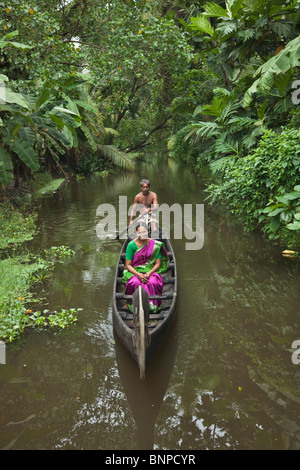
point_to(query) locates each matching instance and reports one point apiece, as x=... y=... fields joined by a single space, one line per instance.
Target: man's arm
x=154 y=205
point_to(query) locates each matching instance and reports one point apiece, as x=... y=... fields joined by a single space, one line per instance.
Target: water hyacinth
x=18 y=310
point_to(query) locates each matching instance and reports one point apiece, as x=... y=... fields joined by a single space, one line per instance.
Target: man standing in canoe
x=148 y=204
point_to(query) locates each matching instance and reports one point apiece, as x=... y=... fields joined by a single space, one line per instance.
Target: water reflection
x=224 y=380
x=239 y=388
x=145 y=397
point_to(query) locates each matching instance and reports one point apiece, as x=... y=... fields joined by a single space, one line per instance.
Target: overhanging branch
x=143 y=142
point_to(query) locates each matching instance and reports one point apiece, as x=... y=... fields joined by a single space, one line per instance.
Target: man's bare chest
x=146 y=200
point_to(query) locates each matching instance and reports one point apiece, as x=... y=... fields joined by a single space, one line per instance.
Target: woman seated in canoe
x=146 y=258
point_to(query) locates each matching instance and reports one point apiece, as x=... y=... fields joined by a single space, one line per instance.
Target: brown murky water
x=224 y=379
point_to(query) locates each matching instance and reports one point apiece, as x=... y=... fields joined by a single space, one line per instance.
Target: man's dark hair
x=144 y=181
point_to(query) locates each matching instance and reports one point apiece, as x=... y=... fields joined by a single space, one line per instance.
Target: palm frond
x=200 y=130
x=119 y=158
x=171 y=142
x=89 y=136
x=110 y=130
x=230 y=110
x=241 y=123
x=226 y=144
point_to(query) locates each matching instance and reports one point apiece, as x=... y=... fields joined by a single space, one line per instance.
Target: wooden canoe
x=142 y=333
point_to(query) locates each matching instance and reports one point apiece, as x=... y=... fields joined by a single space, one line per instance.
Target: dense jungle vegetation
x=85 y=85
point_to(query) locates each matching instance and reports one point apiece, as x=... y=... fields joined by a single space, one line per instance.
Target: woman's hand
x=141 y=277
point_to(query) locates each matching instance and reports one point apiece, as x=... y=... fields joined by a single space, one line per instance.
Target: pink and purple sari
x=143 y=261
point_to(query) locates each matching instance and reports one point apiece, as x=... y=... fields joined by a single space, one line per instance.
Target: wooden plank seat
x=169 y=280
x=121 y=296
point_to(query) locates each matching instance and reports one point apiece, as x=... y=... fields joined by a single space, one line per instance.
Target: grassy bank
x=20 y=270
x=16 y=225
x=19 y=308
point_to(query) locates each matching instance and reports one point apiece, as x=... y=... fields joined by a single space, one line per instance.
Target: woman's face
x=142 y=233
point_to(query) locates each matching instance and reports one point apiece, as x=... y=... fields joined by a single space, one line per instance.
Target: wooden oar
x=133 y=222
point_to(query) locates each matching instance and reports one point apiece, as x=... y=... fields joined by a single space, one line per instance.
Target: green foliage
x=52 y=123
x=283 y=216
x=19 y=272
x=90 y=164
x=45 y=318
x=5 y=41
x=239 y=43
x=253 y=48
x=98 y=83
x=15 y=318
x=59 y=253
x=39 y=27
x=6 y=167
x=47 y=107
x=232 y=132
x=14 y=292
x=50 y=187
x=16 y=226
x=33 y=125
x=267 y=176
x=287 y=59
x=144 y=59
x=17 y=305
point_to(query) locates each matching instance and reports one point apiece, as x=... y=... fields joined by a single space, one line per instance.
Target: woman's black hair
x=141 y=224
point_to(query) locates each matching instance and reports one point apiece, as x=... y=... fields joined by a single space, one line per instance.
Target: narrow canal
x=224 y=379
